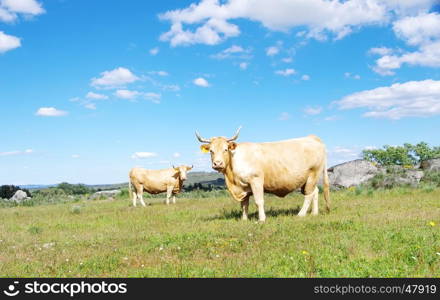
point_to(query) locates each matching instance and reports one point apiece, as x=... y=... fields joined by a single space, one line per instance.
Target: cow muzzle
x=218 y=165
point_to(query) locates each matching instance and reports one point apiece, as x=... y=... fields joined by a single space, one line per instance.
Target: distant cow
x=156 y=181
x=275 y=167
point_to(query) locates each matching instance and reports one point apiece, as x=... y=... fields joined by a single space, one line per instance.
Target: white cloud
x=305 y=77
x=96 y=96
x=142 y=155
x=75 y=156
x=170 y=87
x=131 y=95
x=409 y=99
x=91 y=106
x=422 y=31
x=50 y=112
x=311 y=111
x=286 y=72
x=8 y=42
x=11 y=153
x=176 y=154
x=154 y=51
x=352 y=76
x=233 y=52
x=28 y=7
x=284 y=116
x=209 y=21
x=244 y=65
x=201 y=82
x=160 y=73
x=212 y=32
x=114 y=78
x=272 y=51
x=9 y=9
x=127 y=94
x=332 y=118
x=287 y=60
x=154 y=97
x=380 y=51
x=418 y=30
x=341 y=154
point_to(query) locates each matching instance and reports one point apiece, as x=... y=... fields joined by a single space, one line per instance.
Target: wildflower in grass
x=432 y=223
x=304 y=252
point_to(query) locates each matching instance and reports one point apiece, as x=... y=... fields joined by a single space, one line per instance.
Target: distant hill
x=204 y=178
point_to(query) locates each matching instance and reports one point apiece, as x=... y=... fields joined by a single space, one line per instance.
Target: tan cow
x=156 y=181
x=275 y=167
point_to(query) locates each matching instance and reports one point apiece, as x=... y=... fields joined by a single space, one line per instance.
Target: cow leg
x=315 y=206
x=305 y=208
x=174 y=199
x=258 y=192
x=169 y=192
x=136 y=195
x=245 y=207
x=141 y=197
x=309 y=191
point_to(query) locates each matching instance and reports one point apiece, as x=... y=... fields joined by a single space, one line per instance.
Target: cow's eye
x=226 y=150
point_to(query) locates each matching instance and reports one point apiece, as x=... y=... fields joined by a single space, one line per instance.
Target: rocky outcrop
x=352 y=173
x=431 y=165
x=19 y=196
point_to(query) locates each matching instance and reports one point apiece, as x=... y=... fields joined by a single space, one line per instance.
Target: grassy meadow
x=384 y=233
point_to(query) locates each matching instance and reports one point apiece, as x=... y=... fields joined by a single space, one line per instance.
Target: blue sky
x=89 y=89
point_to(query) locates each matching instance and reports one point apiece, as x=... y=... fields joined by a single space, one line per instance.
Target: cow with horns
x=156 y=181
x=273 y=167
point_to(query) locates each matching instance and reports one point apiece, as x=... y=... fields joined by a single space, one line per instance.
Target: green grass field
x=391 y=233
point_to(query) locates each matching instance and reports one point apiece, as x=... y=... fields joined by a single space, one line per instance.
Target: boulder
x=431 y=165
x=407 y=177
x=19 y=196
x=352 y=173
x=107 y=194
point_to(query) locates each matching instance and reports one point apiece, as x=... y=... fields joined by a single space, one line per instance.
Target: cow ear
x=232 y=145
x=204 y=148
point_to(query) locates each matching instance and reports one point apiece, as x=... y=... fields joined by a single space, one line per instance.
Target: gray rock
x=352 y=173
x=408 y=177
x=19 y=196
x=111 y=193
x=431 y=165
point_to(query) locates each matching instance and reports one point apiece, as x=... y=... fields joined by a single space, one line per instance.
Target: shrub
x=7 y=191
x=75 y=189
x=431 y=178
x=407 y=155
x=76 y=209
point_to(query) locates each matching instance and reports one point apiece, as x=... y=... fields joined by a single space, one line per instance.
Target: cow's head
x=181 y=171
x=220 y=148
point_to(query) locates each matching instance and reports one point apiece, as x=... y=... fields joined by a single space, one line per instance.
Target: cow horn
x=235 y=136
x=202 y=140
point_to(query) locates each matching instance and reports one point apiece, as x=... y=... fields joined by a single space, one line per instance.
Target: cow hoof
x=301 y=215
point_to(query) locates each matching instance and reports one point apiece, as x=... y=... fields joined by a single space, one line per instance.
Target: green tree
x=407 y=154
x=75 y=189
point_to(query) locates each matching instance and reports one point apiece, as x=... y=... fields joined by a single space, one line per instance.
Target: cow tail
x=326 y=187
